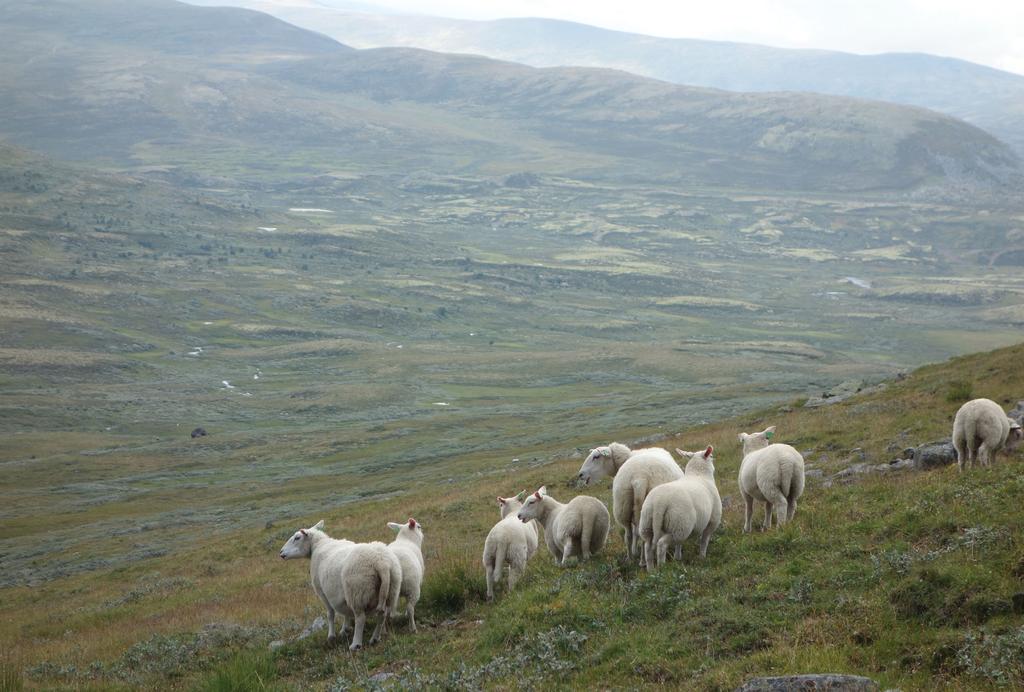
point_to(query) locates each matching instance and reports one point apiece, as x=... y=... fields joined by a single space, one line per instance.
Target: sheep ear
x=768 y=432
x=543 y=490
x=682 y=453
x=303 y=532
x=319 y=525
x=394 y=527
x=743 y=437
x=708 y=451
x=501 y=500
x=412 y=523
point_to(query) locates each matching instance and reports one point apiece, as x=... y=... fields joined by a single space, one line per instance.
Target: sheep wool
x=371 y=580
x=674 y=511
x=980 y=430
x=769 y=473
x=408 y=548
x=579 y=527
x=327 y=557
x=510 y=542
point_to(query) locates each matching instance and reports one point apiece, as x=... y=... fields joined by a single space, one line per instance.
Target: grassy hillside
x=989 y=98
x=419 y=327
x=907 y=578
x=163 y=83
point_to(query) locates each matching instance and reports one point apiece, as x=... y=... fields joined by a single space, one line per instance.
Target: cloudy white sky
x=990 y=32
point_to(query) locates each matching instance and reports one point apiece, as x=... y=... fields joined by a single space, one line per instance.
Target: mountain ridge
x=986 y=96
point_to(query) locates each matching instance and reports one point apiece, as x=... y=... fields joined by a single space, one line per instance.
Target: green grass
x=909 y=579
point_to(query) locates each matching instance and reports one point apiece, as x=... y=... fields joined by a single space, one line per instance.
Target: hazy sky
x=990 y=32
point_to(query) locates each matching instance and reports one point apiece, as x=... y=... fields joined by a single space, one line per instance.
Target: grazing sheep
x=511 y=541
x=327 y=557
x=981 y=428
x=771 y=473
x=408 y=548
x=635 y=473
x=674 y=511
x=578 y=528
x=371 y=579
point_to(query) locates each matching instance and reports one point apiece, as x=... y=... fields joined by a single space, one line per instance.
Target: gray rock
x=313 y=628
x=934 y=455
x=276 y=644
x=805 y=683
x=1017 y=412
x=841 y=392
x=814 y=473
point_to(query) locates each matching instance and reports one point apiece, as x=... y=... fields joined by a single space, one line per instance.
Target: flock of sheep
x=657 y=504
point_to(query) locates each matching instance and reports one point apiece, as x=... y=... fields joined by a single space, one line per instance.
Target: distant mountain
x=986 y=97
x=157 y=81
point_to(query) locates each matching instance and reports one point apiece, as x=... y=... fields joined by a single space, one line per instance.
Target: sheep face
x=301 y=543
x=597 y=465
x=531 y=508
x=1015 y=437
x=411 y=529
x=755 y=441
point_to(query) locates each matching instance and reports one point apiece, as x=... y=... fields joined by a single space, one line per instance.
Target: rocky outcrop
x=807 y=683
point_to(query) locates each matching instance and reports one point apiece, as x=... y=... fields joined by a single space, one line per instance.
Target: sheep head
x=755 y=441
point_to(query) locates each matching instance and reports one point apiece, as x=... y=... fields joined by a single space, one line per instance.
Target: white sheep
x=635 y=474
x=509 y=541
x=328 y=560
x=408 y=548
x=327 y=556
x=771 y=473
x=980 y=430
x=579 y=527
x=371 y=579
x=674 y=511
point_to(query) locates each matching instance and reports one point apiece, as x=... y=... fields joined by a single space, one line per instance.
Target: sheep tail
x=786 y=478
x=500 y=552
x=384 y=595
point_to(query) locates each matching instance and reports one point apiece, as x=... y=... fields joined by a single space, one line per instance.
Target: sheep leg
x=381 y=629
x=648 y=553
x=781 y=506
x=627 y=537
x=410 y=608
x=566 y=553
x=679 y=553
x=491 y=580
x=792 y=510
x=357 y=634
x=663 y=545
x=984 y=455
x=513 y=576
x=748 y=512
x=767 y=516
x=705 y=538
x=585 y=537
x=332 y=636
x=961 y=453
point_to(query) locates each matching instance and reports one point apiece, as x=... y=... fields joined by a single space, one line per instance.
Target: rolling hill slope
x=259 y=89
x=989 y=98
x=907 y=577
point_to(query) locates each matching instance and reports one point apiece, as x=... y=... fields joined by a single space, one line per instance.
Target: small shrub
x=996 y=657
x=958 y=392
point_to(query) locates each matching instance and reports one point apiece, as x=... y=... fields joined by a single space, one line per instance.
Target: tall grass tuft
x=245 y=672
x=11 y=679
x=958 y=392
x=454 y=583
